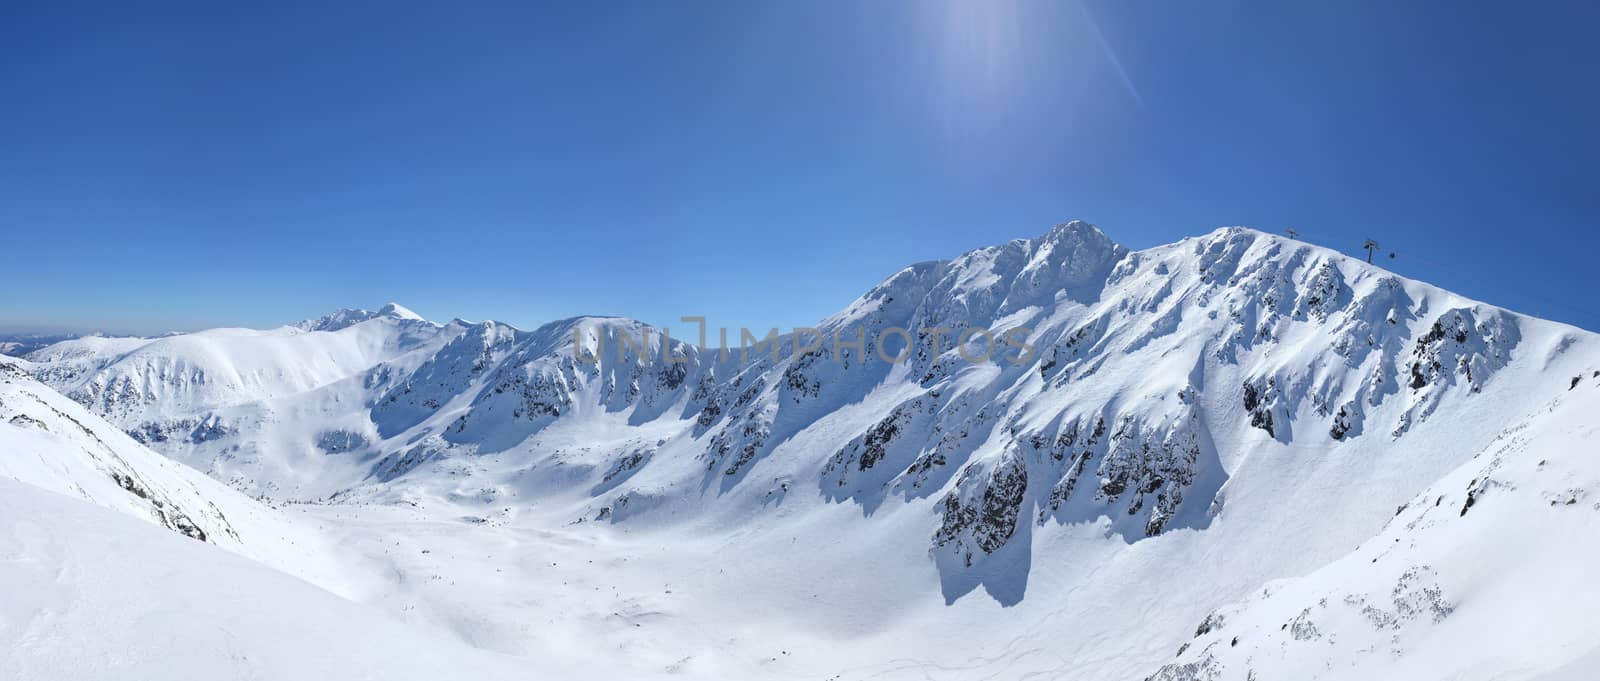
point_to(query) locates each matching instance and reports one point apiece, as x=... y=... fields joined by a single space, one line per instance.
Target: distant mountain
x=1203 y=417
x=346 y=317
x=20 y=344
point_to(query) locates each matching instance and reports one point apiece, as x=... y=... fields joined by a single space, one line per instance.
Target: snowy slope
x=144 y=379
x=228 y=393
x=1484 y=575
x=92 y=594
x=119 y=563
x=1185 y=424
x=52 y=443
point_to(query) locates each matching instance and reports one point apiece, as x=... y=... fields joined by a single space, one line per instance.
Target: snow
x=1199 y=421
x=1484 y=575
x=92 y=594
x=398 y=311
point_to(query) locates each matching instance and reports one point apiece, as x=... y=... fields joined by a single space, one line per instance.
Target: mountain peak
x=398 y=311
x=1074 y=228
x=345 y=317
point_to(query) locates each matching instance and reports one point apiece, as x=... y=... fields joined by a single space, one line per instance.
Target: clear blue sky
x=762 y=163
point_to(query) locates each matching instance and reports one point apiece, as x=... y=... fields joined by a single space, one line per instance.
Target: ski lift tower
x=1372 y=247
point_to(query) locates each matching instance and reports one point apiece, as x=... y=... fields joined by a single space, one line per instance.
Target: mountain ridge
x=1215 y=397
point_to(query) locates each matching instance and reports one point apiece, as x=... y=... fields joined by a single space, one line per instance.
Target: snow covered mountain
x=20 y=344
x=1094 y=435
x=55 y=444
x=119 y=563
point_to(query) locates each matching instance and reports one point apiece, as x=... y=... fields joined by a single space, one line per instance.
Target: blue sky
x=174 y=166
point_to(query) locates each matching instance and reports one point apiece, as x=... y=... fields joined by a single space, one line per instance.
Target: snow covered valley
x=1234 y=457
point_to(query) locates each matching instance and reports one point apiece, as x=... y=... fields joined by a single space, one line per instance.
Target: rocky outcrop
x=981 y=513
x=1138 y=470
x=192 y=431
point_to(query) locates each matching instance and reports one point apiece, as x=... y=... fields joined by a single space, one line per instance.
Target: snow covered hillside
x=118 y=563
x=52 y=443
x=1484 y=575
x=1078 y=453
x=92 y=594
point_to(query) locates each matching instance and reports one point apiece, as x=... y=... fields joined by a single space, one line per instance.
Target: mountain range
x=1238 y=456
